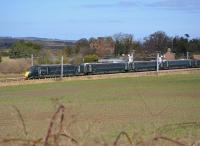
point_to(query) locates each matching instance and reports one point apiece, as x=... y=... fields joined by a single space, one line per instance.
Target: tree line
x=82 y=51
x=156 y=42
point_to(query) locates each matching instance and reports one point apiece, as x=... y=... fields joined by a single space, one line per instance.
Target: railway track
x=22 y=81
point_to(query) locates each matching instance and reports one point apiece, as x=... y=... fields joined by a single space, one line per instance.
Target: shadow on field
x=57 y=135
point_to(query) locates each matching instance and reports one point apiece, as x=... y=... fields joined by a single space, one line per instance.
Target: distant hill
x=7 y=42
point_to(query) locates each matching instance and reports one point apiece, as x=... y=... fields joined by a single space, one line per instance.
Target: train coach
x=47 y=71
x=55 y=70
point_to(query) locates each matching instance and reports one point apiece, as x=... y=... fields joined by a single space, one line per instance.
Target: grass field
x=100 y=109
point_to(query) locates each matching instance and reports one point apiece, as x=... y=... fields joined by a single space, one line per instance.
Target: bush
x=91 y=58
x=0 y=58
x=48 y=56
x=77 y=59
x=4 y=53
x=15 y=65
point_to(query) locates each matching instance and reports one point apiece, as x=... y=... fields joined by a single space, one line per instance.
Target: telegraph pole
x=157 y=62
x=133 y=53
x=31 y=59
x=61 y=75
x=187 y=55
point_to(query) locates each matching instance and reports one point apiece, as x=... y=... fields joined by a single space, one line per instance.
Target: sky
x=76 y=19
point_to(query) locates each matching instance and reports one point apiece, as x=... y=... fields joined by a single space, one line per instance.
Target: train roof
x=112 y=60
x=44 y=65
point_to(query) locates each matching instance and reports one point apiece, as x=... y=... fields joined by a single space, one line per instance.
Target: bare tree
x=158 y=41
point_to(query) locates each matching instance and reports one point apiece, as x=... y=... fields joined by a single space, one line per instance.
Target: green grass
x=136 y=105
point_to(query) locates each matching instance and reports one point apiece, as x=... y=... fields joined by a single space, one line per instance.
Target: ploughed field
x=98 y=110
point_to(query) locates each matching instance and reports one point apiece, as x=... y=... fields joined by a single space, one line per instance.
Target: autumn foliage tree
x=83 y=47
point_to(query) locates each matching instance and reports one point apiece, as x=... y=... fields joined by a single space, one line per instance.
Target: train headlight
x=27 y=74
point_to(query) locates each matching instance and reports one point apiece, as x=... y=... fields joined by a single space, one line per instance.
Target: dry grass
x=14 y=65
x=56 y=131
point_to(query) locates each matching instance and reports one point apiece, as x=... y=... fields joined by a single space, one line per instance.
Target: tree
x=45 y=57
x=181 y=45
x=91 y=40
x=158 y=41
x=102 y=46
x=124 y=44
x=69 y=51
x=83 y=47
x=90 y=58
x=23 y=49
x=194 y=46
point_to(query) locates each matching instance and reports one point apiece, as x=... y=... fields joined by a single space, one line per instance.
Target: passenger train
x=55 y=70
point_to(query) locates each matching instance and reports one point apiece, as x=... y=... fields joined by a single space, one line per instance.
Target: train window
x=33 y=68
x=42 y=70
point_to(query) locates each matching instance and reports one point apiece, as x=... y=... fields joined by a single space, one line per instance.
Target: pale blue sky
x=75 y=19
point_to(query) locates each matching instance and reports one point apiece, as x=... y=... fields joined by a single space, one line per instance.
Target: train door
x=130 y=66
x=126 y=66
x=79 y=69
x=85 y=69
x=39 y=71
x=133 y=66
x=90 y=68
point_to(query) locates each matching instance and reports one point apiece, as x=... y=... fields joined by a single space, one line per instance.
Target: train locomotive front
x=31 y=73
